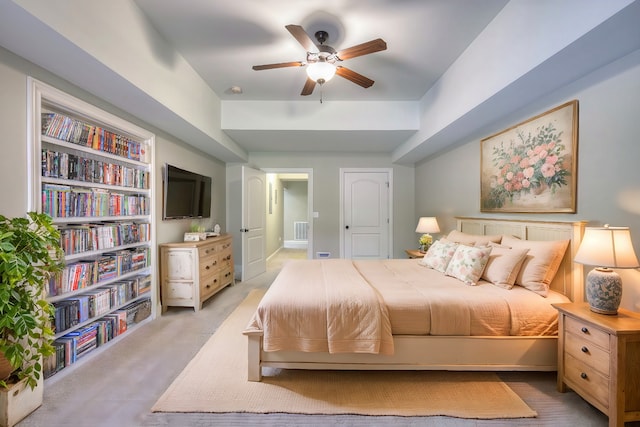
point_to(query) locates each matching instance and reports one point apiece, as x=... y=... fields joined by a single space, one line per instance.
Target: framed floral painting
x=532 y=166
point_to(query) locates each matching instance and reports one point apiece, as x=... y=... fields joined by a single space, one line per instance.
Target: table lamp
x=426 y=225
x=606 y=248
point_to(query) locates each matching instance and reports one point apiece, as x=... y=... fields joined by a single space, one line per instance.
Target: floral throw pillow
x=438 y=255
x=468 y=262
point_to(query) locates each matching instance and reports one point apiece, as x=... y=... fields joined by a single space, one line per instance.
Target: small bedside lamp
x=606 y=247
x=426 y=225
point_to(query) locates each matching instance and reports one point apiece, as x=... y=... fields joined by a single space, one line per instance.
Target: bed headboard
x=569 y=279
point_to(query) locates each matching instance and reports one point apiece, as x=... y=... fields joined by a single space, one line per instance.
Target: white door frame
x=309 y=172
x=344 y=171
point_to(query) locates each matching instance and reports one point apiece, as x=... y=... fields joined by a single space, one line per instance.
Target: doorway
x=289 y=225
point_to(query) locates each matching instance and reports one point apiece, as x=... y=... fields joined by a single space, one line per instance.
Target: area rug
x=216 y=381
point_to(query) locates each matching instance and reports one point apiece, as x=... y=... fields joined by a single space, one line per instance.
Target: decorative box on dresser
x=192 y=272
x=599 y=358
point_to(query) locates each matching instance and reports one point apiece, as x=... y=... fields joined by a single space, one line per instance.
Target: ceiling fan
x=322 y=59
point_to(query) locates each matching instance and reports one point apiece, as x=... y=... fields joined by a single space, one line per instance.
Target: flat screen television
x=186 y=194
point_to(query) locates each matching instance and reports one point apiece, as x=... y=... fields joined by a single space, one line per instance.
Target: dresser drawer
x=586 y=381
x=588 y=332
x=208 y=285
x=179 y=291
x=207 y=250
x=210 y=264
x=226 y=277
x=587 y=353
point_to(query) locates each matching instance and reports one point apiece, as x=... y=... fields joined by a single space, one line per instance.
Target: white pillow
x=468 y=263
x=504 y=265
x=438 y=255
x=540 y=264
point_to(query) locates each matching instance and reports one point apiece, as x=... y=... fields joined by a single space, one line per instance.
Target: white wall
x=608 y=154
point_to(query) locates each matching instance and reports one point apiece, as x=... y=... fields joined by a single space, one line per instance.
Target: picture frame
x=532 y=167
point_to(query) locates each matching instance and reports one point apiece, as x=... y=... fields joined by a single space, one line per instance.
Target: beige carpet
x=215 y=381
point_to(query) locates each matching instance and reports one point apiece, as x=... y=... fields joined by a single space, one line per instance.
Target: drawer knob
x=207 y=267
x=583 y=375
x=585 y=350
x=585 y=330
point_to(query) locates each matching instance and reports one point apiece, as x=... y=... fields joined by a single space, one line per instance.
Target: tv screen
x=186 y=194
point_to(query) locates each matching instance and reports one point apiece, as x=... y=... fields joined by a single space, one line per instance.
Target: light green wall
x=294 y=198
x=326 y=193
x=14 y=192
x=608 y=156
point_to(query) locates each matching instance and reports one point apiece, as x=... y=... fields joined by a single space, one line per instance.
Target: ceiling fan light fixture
x=321 y=71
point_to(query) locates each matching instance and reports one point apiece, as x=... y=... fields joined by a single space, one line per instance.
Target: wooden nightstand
x=414 y=253
x=599 y=358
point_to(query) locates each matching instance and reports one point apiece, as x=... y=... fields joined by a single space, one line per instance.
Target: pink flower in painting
x=528 y=172
x=551 y=159
x=548 y=170
x=524 y=163
x=526 y=183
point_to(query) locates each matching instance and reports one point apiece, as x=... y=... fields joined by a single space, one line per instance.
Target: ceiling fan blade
x=278 y=65
x=362 y=49
x=309 y=85
x=303 y=38
x=354 y=77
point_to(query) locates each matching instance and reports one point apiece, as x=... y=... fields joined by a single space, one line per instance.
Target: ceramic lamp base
x=604 y=291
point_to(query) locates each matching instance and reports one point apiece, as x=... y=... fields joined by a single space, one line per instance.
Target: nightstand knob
x=585 y=350
x=583 y=376
x=584 y=330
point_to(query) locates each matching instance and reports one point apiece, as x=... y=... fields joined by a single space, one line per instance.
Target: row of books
x=62 y=165
x=86 y=273
x=63 y=201
x=76 y=239
x=97 y=302
x=70 y=347
x=65 y=128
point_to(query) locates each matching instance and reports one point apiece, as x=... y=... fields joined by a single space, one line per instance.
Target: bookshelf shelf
x=92 y=172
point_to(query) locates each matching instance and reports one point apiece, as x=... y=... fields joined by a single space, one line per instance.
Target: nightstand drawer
x=586 y=381
x=588 y=332
x=587 y=353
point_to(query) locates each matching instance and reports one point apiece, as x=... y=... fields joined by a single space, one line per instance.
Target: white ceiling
x=223 y=39
x=453 y=69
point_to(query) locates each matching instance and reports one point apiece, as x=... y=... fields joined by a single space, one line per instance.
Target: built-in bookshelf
x=92 y=172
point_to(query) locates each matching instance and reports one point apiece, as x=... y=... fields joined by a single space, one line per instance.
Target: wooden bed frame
x=461 y=353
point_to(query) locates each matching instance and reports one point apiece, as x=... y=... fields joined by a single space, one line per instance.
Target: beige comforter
x=339 y=306
x=323 y=305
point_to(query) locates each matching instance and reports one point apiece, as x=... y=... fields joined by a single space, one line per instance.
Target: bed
x=422 y=314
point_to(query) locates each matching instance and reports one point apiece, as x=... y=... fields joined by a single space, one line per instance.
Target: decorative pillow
x=472 y=239
x=439 y=255
x=503 y=265
x=540 y=264
x=468 y=263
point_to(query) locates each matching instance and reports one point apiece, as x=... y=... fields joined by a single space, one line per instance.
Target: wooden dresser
x=192 y=272
x=599 y=358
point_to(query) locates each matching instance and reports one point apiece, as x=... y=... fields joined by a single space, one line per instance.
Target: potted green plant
x=30 y=253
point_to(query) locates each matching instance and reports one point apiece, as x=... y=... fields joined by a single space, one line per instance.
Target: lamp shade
x=606 y=246
x=427 y=224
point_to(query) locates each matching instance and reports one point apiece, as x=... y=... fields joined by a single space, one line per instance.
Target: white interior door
x=254 y=190
x=366 y=219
